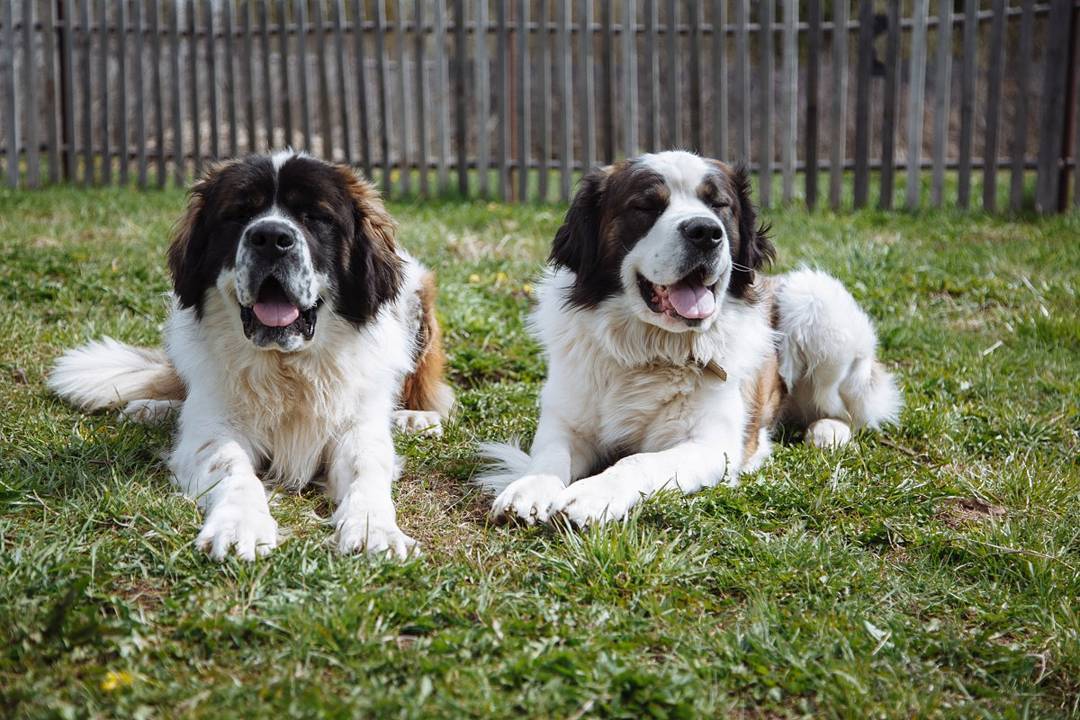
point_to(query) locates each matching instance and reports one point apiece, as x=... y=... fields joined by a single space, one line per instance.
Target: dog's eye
x=646 y=209
x=310 y=216
x=719 y=204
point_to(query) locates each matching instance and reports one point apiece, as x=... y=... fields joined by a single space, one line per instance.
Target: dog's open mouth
x=274 y=309
x=689 y=298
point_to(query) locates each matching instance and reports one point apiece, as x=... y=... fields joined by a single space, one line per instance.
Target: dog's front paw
x=828 y=434
x=245 y=526
x=361 y=534
x=420 y=422
x=594 y=501
x=528 y=499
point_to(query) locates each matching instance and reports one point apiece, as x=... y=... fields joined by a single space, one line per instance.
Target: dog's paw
x=528 y=499
x=245 y=527
x=355 y=535
x=150 y=412
x=594 y=501
x=423 y=422
x=828 y=433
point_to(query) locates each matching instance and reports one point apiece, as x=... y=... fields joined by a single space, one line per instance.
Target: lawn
x=929 y=571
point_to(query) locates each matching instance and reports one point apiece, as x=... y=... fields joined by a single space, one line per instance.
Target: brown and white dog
x=670 y=358
x=298 y=334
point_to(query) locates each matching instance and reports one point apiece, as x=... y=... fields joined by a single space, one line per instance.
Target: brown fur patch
x=424 y=387
x=763 y=395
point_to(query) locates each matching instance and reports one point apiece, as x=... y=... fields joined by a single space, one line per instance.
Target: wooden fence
x=512 y=98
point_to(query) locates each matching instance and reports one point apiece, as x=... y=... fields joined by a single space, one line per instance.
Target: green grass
x=930 y=571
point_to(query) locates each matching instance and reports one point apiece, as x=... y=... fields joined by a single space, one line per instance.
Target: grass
x=930 y=571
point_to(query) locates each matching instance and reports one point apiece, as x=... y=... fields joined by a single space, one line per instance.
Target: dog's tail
x=109 y=374
x=871 y=395
x=506 y=462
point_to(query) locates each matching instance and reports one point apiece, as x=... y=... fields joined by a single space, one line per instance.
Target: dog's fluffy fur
x=299 y=332
x=671 y=358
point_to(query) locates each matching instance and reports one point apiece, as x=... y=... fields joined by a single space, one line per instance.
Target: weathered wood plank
x=384 y=100
x=284 y=74
x=813 y=74
x=865 y=54
x=888 y=120
x=790 y=105
x=103 y=94
x=404 y=106
x=30 y=87
x=461 y=97
x=719 y=78
x=967 y=103
x=267 y=77
x=524 y=71
x=10 y=93
x=123 y=146
x=420 y=41
x=342 y=81
x=52 y=111
x=566 y=110
x=155 y=92
x=838 y=119
x=193 y=88
x=607 y=79
x=247 y=69
x=588 y=72
x=231 y=90
x=630 y=78
x=86 y=80
x=140 y=93
x=303 y=72
x=993 y=105
x=652 y=61
x=742 y=74
x=767 y=80
x=917 y=90
x=674 y=102
x=1052 y=110
x=483 y=97
x=212 y=79
x=362 y=110
x=697 y=139
x=502 y=97
x=543 y=123
x=942 y=104
x=326 y=119
x=1022 y=64
x=179 y=174
x=442 y=118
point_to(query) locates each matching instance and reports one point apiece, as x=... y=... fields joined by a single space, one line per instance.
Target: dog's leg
x=557 y=453
x=828 y=433
x=361 y=471
x=212 y=465
x=421 y=422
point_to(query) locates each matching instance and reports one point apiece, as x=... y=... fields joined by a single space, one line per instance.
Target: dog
x=671 y=356
x=298 y=333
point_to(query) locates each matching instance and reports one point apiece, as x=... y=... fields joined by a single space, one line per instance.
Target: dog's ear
x=187 y=249
x=577 y=245
x=754 y=249
x=371 y=269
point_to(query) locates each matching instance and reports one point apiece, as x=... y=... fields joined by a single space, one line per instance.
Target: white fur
x=623 y=387
x=106 y=373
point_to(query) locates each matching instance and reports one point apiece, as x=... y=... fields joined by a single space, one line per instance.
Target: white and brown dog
x=299 y=333
x=670 y=358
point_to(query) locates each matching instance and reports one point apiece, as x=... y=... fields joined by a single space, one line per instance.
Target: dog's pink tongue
x=692 y=302
x=276 y=313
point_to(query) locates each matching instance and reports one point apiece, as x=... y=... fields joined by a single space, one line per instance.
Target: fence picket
x=742 y=71
x=813 y=72
x=607 y=80
x=177 y=108
x=1022 y=63
x=674 y=103
x=652 y=60
x=630 y=78
x=86 y=92
x=967 y=103
x=267 y=78
x=942 y=106
x=696 y=139
x=286 y=84
x=442 y=120
x=566 y=83
x=543 y=129
x=838 y=135
x=140 y=98
x=384 y=101
x=326 y=120
x=30 y=80
x=342 y=81
x=588 y=140
x=302 y=72
x=10 y=90
x=483 y=97
x=122 y=146
x=227 y=12
x=193 y=66
x=212 y=79
x=719 y=78
x=460 y=97
x=767 y=62
x=502 y=94
x=155 y=92
x=421 y=101
x=361 y=88
x=524 y=71
x=993 y=101
x=865 y=54
x=917 y=89
x=790 y=85
x=247 y=69
x=52 y=112
x=1052 y=112
x=888 y=119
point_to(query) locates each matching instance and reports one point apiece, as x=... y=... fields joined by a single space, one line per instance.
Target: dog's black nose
x=271 y=239
x=702 y=232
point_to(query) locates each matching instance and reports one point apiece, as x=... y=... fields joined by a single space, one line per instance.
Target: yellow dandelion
x=527 y=289
x=474 y=278
x=500 y=277
x=114 y=680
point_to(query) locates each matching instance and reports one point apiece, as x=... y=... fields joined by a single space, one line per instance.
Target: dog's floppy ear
x=371 y=269
x=755 y=250
x=577 y=245
x=187 y=249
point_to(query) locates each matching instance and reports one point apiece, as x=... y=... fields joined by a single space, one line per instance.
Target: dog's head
x=284 y=239
x=670 y=234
